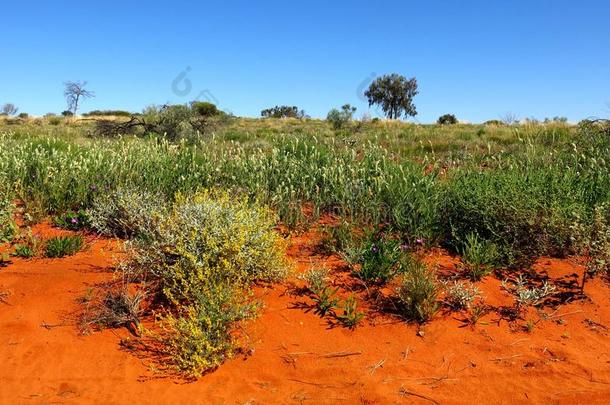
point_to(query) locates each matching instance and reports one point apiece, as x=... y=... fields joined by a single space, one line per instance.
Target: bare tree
x=509 y=118
x=76 y=92
x=9 y=109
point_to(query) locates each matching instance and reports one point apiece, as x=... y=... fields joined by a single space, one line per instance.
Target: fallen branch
x=404 y=392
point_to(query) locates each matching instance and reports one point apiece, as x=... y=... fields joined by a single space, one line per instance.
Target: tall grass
x=517 y=187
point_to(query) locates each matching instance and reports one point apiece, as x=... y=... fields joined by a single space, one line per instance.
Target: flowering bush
x=201 y=257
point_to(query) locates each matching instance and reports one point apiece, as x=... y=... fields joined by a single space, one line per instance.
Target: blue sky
x=476 y=59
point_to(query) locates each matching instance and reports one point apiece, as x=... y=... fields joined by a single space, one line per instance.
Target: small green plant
x=326 y=300
x=62 y=246
x=418 y=292
x=379 y=259
x=8 y=227
x=460 y=295
x=73 y=221
x=526 y=295
x=478 y=256
x=24 y=251
x=477 y=311
x=350 y=317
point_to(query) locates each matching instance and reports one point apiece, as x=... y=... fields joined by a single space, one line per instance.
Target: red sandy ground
x=296 y=357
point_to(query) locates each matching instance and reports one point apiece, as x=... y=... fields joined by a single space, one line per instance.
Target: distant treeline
x=115 y=113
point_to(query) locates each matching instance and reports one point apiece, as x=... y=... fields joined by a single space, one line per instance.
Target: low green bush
x=62 y=246
x=418 y=292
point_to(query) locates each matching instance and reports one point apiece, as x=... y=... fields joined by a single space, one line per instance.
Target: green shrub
x=447 y=119
x=212 y=237
x=341 y=118
x=23 y=115
x=205 y=252
x=62 y=246
x=418 y=292
x=8 y=226
x=201 y=336
x=125 y=213
x=204 y=108
x=67 y=113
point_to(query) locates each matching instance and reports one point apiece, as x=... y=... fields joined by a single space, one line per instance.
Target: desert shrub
x=201 y=336
x=323 y=295
x=125 y=213
x=341 y=118
x=418 y=292
x=53 y=119
x=460 y=295
x=378 y=259
x=210 y=238
x=8 y=226
x=23 y=115
x=62 y=246
x=73 y=221
x=205 y=252
x=478 y=256
x=67 y=113
x=496 y=123
x=447 y=119
x=204 y=109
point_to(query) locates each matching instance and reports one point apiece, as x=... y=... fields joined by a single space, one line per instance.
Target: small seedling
x=62 y=246
x=479 y=256
x=24 y=251
x=350 y=317
x=326 y=300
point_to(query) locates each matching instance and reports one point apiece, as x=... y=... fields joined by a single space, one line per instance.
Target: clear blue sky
x=476 y=59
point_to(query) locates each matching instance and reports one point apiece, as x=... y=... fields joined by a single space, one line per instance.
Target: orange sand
x=296 y=357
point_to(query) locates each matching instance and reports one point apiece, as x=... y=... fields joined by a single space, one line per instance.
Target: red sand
x=296 y=357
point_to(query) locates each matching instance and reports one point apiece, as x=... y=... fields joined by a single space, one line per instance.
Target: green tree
x=394 y=93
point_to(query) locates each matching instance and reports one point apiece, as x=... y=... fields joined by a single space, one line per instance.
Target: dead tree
x=74 y=93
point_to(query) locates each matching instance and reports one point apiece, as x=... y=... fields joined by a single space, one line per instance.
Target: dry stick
x=404 y=392
x=340 y=354
x=377 y=365
x=506 y=358
x=518 y=341
x=566 y=314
